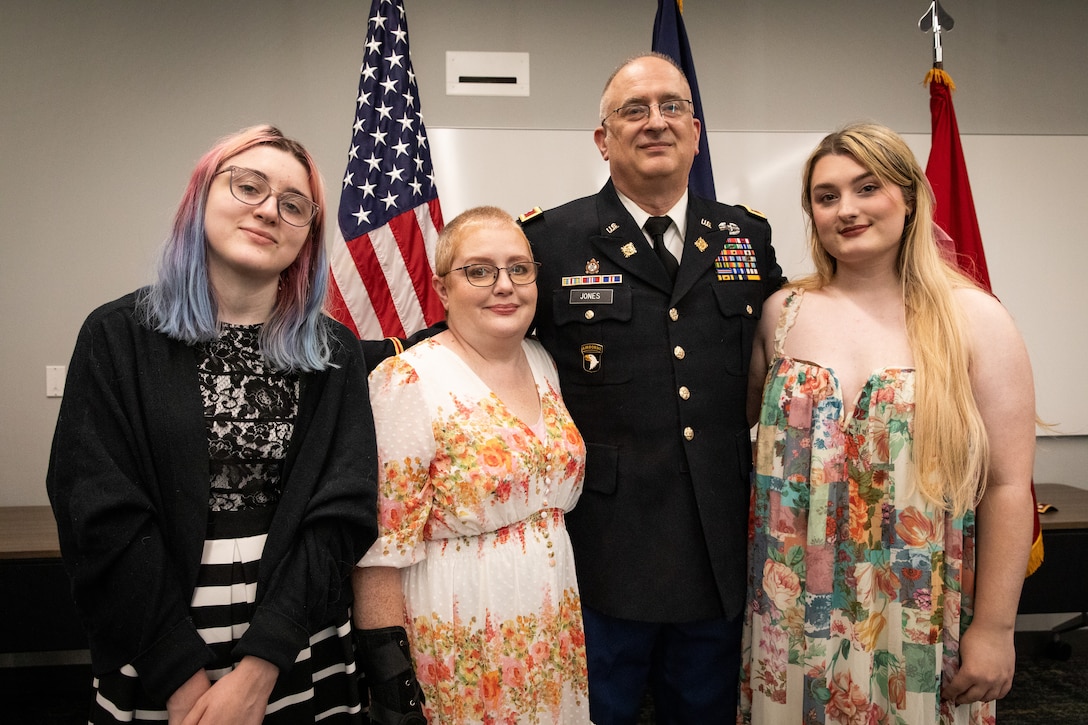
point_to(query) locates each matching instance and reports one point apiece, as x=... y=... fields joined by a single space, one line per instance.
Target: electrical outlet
x=54 y=381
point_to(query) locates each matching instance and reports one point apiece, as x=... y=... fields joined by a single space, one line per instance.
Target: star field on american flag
x=389 y=215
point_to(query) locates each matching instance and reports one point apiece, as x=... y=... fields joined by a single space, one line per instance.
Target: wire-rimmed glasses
x=485 y=275
x=252 y=188
x=636 y=112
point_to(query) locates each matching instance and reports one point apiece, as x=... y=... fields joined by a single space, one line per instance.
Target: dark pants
x=692 y=669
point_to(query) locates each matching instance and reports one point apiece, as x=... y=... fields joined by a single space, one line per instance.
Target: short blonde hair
x=454 y=232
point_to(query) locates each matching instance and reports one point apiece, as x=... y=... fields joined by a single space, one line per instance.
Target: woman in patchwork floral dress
x=891 y=517
x=472 y=577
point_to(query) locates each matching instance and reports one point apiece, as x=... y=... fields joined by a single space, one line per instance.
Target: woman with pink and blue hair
x=213 y=468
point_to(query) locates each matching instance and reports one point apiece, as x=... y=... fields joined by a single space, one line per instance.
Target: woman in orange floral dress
x=891 y=516
x=479 y=462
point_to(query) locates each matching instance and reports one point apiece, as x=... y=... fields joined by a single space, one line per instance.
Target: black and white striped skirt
x=321 y=687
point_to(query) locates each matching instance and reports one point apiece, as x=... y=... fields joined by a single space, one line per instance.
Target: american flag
x=389 y=219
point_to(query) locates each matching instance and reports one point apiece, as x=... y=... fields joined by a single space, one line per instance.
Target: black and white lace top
x=250 y=411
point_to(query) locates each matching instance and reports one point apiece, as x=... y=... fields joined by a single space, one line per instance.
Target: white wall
x=520 y=169
x=107 y=105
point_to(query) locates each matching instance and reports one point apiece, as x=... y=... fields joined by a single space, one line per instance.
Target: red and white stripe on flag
x=381 y=281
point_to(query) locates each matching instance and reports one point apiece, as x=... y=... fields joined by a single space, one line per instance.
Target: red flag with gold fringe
x=955 y=214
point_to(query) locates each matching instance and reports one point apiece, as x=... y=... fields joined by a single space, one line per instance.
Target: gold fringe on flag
x=1035 y=558
x=938 y=75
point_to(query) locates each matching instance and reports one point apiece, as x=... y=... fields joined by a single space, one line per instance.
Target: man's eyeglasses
x=636 y=112
x=485 y=275
x=252 y=188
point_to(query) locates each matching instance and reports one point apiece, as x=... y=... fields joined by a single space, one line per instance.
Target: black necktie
x=656 y=226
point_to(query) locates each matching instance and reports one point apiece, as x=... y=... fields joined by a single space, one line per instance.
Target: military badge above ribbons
x=737 y=261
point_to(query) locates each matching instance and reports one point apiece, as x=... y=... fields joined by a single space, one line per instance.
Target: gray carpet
x=1045 y=690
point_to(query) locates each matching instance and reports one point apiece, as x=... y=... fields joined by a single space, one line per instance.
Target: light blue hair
x=181 y=303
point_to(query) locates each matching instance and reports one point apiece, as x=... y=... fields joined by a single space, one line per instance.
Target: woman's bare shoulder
x=982 y=311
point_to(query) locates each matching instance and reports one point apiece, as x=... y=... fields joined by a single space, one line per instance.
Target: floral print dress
x=471 y=505
x=858 y=588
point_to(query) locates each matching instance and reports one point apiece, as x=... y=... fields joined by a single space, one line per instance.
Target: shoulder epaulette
x=753 y=212
x=531 y=214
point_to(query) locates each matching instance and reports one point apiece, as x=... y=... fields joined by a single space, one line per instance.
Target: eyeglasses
x=485 y=275
x=636 y=112
x=252 y=188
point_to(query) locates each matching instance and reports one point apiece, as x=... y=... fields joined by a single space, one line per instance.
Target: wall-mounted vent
x=486 y=74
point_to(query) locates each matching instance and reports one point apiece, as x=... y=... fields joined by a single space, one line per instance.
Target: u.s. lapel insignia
x=593 y=266
x=611 y=228
x=729 y=228
x=628 y=249
x=701 y=244
x=592 y=357
x=706 y=223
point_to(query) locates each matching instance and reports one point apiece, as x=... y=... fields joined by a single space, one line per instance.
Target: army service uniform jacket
x=655 y=377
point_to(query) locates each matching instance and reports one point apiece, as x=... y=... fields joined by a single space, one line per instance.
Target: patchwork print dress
x=858 y=588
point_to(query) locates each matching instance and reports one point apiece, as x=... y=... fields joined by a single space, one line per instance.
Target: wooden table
x=36 y=609
x=1060 y=584
x=28 y=532
x=1071 y=506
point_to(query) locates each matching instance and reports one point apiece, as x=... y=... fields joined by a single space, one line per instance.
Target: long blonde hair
x=951 y=448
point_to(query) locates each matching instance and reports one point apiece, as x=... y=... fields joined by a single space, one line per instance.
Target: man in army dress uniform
x=653 y=357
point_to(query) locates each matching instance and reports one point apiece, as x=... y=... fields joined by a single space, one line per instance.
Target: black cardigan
x=129 y=484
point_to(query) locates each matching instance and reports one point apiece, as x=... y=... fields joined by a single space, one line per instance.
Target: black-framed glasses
x=636 y=112
x=485 y=275
x=252 y=188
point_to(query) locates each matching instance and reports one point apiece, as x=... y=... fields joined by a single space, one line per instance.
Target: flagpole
x=932 y=21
